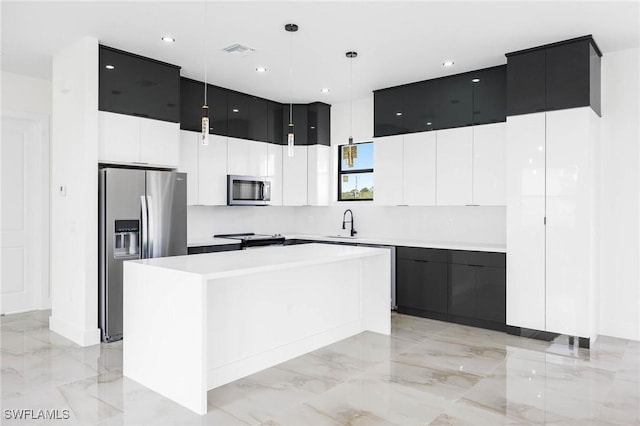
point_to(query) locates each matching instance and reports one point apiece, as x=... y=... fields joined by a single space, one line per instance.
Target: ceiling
x=397 y=42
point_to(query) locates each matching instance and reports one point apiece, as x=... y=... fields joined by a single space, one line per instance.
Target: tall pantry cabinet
x=552 y=195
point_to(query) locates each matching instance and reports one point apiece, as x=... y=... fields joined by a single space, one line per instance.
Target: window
x=355 y=172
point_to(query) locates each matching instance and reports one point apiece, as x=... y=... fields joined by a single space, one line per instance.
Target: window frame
x=351 y=171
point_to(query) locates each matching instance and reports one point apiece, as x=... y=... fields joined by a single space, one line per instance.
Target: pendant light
x=292 y=28
x=351 y=55
x=204 y=136
x=352 y=150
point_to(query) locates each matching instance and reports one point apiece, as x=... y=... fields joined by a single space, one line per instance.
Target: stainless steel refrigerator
x=142 y=214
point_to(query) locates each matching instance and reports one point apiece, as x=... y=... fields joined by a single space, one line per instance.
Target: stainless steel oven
x=248 y=191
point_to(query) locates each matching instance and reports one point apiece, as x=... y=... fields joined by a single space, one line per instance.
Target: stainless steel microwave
x=248 y=191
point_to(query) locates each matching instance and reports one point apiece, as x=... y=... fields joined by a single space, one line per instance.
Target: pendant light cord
x=351 y=98
x=291 y=79
x=206 y=62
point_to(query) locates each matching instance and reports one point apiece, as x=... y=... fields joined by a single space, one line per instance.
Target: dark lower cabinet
x=452 y=285
x=491 y=297
x=213 y=249
x=421 y=285
x=463 y=290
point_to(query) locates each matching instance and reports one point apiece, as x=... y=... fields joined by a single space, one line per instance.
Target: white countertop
x=389 y=241
x=244 y=262
x=210 y=241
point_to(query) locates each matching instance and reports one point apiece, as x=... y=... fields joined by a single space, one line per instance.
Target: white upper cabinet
x=189 y=163
x=419 y=169
x=212 y=171
x=274 y=172
x=119 y=138
x=388 y=170
x=246 y=158
x=127 y=139
x=318 y=175
x=490 y=164
x=159 y=142
x=454 y=167
x=294 y=177
x=525 y=221
x=206 y=168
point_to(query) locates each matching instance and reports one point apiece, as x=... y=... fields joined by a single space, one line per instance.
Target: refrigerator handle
x=144 y=228
x=150 y=227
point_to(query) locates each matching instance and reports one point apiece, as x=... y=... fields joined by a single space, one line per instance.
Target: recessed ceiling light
x=398 y=114
x=235 y=110
x=168 y=39
x=475 y=80
x=261 y=69
x=109 y=67
x=325 y=90
x=447 y=63
x=429 y=123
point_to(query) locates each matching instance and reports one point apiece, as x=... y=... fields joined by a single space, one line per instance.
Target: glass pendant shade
x=290 y=141
x=204 y=136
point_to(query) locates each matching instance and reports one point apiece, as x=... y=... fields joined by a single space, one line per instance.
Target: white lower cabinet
x=419 y=169
x=454 y=167
x=274 y=172
x=136 y=140
x=388 y=171
x=294 y=177
x=206 y=168
x=490 y=164
x=552 y=178
x=318 y=175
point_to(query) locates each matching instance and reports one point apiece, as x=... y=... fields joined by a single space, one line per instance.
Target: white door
x=24 y=220
x=525 y=221
x=490 y=164
x=387 y=166
x=454 y=166
x=420 y=169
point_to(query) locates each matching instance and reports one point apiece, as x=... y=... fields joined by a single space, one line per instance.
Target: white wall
x=25 y=94
x=620 y=195
x=74 y=164
x=20 y=94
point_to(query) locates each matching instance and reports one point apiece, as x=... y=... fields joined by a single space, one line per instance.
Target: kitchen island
x=193 y=323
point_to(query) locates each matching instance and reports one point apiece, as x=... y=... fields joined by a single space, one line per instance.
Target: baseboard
x=82 y=337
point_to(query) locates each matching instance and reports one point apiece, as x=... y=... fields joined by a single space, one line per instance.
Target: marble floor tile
x=426 y=372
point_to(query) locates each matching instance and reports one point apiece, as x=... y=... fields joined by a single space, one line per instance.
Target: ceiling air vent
x=238 y=49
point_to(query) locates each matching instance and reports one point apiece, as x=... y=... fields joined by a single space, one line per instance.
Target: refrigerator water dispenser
x=125 y=239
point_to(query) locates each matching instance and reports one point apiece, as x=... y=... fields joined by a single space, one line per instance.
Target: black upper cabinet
x=319 y=124
x=526 y=83
x=567 y=75
x=420 y=104
x=258 y=119
x=300 y=123
x=274 y=122
x=191 y=101
x=388 y=111
x=442 y=103
x=139 y=86
x=489 y=95
x=555 y=76
x=238 y=115
x=455 y=103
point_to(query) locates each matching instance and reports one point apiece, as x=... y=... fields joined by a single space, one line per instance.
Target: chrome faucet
x=344 y=221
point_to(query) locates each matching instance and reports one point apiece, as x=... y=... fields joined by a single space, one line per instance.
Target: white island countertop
x=243 y=262
x=194 y=323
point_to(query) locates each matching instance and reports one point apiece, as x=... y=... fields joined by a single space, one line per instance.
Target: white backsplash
x=457 y=224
